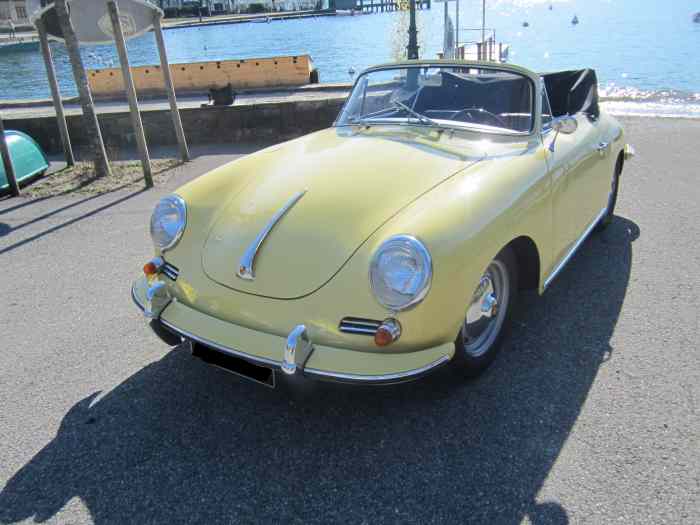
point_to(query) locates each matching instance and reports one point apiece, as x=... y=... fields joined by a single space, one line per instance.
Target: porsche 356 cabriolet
x=395 y=241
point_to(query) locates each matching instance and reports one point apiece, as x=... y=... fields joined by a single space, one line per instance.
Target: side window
x=546 y=110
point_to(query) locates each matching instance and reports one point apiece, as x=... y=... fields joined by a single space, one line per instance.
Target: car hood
x=352 y=183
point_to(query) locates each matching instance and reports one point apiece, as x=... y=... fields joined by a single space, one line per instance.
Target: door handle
x=602 y=148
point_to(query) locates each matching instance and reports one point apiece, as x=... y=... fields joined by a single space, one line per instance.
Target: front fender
x=464 y=223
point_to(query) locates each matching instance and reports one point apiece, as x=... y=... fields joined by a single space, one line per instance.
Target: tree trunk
x=92 y=125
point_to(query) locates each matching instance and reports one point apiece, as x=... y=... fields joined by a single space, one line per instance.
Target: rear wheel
x=612 y=198
x=487 y=315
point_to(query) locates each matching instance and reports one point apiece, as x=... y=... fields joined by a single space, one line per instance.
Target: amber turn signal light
x=153 y=266
x=388 y=332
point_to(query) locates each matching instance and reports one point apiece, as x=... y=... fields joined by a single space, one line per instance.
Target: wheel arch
x=527 y=257
x=620 y=162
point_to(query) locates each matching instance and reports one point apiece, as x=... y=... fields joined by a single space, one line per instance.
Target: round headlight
x=168 y=222
x=400 y=272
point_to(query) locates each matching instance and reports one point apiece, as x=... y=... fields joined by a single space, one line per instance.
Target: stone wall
x=269 y=122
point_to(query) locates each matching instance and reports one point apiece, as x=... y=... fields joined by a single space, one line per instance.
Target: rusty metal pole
x=55 y=92
x=7 y=162
x=130 y=92
x=170 y=88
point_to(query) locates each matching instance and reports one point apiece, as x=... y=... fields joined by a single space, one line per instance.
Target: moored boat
x=28 y=159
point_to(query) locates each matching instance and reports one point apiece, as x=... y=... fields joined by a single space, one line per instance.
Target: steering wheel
x=482 y=113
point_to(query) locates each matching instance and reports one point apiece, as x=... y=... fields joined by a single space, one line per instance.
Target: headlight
x=400 y=272
x=168 y=222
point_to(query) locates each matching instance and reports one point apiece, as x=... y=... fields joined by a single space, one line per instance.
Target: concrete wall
x=199 y=77
x=267 y=123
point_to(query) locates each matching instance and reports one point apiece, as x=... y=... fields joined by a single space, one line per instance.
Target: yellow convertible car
x=395 y=241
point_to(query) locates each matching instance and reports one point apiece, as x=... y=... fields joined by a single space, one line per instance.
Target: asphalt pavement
x=590 y=415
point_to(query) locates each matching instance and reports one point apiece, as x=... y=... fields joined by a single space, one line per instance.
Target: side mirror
x=565 y=124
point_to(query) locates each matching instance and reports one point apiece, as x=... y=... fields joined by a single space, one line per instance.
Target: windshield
x=489 y=100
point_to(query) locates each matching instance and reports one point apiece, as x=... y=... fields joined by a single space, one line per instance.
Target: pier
x=377 y=6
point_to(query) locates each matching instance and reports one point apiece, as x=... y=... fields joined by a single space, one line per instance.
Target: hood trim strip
x=245 y=267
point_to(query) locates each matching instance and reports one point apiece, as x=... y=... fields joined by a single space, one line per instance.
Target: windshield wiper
x=421 y=118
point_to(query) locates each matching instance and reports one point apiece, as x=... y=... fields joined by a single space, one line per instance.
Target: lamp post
x=412 y=47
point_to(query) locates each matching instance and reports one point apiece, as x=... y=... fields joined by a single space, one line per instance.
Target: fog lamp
x=388 y=332
x=153 y=266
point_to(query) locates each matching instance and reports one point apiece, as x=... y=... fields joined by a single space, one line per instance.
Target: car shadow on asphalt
x=183 y=442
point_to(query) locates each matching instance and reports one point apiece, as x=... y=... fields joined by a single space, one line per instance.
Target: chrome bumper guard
x=296 y=353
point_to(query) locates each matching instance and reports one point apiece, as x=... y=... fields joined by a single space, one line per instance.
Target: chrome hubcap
x=485 y=317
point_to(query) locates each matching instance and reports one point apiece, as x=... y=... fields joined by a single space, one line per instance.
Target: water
x=645 y=51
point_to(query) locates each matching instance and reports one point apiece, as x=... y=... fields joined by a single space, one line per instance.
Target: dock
x=351 y=7
x=489 y=51
x=485 y=49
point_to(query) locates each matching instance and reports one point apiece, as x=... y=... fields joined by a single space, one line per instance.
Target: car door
x=574 y=166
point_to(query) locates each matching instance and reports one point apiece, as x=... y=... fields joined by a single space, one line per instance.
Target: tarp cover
x=572 y=92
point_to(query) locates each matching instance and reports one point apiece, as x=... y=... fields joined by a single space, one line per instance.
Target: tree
x=92 y=125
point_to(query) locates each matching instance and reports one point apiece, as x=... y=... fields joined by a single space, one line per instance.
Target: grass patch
x=81 y=180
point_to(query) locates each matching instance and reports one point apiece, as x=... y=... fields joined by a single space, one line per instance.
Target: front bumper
x=322 y=362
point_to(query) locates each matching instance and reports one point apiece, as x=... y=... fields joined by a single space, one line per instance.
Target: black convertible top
x=572 y=92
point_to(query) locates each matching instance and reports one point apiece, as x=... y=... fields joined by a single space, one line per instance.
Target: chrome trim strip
x=360 y=322
x=379 y=379
x=221 y=348
x=170 y=271
x=573 y=250
x=358 y=330
x=356 y=325
x=245 y=267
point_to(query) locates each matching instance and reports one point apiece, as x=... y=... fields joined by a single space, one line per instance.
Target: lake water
x=646 y=52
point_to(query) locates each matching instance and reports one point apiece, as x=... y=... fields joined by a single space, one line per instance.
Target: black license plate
x=233 y=364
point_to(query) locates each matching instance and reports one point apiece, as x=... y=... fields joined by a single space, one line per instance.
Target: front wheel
x=487 y=315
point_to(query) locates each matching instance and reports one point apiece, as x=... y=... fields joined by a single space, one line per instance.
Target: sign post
x=130 y=92
x=170 y=88
x=7 y=162
x=55 y=93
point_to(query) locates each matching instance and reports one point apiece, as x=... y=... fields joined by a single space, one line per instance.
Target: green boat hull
x=27 y=158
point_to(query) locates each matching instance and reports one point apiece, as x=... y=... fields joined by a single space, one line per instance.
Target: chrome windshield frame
x=535 y=93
